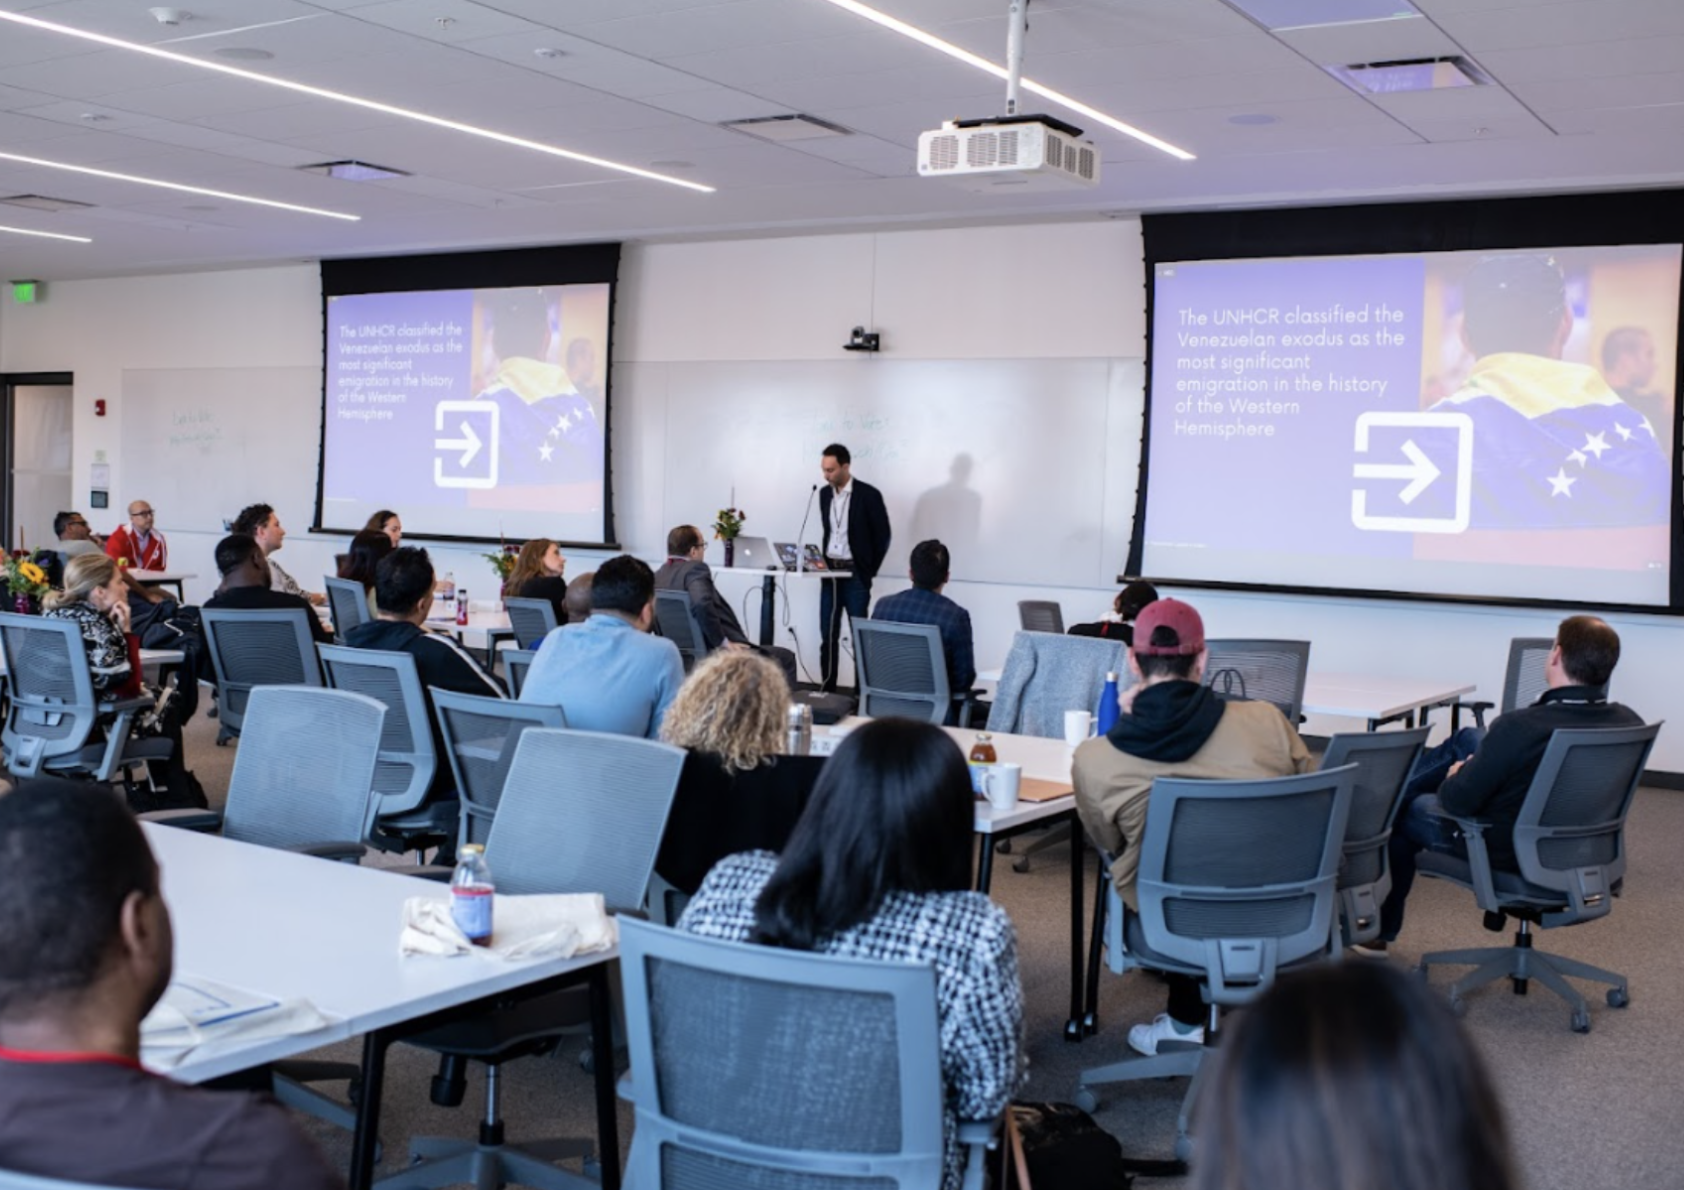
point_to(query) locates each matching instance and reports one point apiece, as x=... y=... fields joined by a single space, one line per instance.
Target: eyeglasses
x=142 y=512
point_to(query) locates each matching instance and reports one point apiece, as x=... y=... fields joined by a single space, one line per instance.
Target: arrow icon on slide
x=1420 y=471
x=473 y=444
x=469 y=445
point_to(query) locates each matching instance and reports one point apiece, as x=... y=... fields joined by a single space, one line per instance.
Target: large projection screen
x=1482 y=424
x=472 y=399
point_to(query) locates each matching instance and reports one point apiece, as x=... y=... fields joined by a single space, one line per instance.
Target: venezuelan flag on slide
x=1555 y=448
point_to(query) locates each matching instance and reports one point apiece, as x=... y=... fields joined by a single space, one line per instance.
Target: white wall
x=1058 y=291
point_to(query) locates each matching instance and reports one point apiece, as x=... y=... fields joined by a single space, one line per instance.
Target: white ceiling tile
x=584 y=63
x=1471 y=103
x=198 y=94
x=740 y=24
x=1635 y=90
x=714 y=104
x=223 y=144
x=1187 y=59
x=1256 y=90
x=900 y=123
x=1589 y=60
x=16 y=99
x=576 y=14
x=1566 y=24
x=86 y=76
x=1489 y=128
x=766 y=165
x=853 y=54
x=941 y=80
x=105 y=118
x=1637 y=121
x=442 y=20
x=295 y=120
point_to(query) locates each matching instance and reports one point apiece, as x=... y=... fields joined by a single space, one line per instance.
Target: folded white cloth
x=200 y=1017
x=541 y=926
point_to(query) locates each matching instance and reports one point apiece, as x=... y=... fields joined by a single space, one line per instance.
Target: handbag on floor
x=1058 y=1146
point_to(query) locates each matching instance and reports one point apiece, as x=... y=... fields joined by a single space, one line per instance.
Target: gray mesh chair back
x=52 y=710
x=1040 y=615
x=833 y=1066
x=902 y=670
x=23 y=1181
x=249 y=649
x=348 y=603
x=404 y=768
x=480 y=736
x=1525 y=679
x=531 y=620
x=583 y=811
x=1238 y=878
x=517 y=663
x=304 y=774
x=1384 y=761
x=1261 y=670
x=676 y=619
x=1046 y=675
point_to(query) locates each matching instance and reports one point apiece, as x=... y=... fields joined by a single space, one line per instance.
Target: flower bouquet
x=26 y=579
x=726 y=526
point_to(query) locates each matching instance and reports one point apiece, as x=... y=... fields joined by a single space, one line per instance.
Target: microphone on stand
x=801 y=537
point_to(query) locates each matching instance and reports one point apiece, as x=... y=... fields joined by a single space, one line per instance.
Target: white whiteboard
x=1025 y=468
x=202 y=443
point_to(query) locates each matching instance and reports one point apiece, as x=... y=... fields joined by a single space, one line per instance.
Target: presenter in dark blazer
x=856 y=539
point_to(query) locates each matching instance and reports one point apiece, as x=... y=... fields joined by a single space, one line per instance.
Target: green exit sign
x=24 y=292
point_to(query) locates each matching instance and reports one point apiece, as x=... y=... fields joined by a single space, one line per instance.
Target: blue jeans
x=851 y=595
x=1420 y=824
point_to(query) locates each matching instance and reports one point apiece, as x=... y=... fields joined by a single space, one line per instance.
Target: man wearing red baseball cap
x=1172 y=726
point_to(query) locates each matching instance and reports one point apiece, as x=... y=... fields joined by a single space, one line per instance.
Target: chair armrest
x=1478 y=708
x=1479 y=861
x=116 y=705
x=206 y=822
x=979 y=1137
x=434 y=872
x=344 y=852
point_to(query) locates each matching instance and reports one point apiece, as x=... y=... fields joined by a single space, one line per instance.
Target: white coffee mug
x=1003 y=782
x=1077 y=725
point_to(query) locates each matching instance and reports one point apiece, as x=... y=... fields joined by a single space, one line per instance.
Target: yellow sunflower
x=32 y=572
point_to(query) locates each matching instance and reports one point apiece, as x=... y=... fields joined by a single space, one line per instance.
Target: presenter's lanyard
x=839 y=515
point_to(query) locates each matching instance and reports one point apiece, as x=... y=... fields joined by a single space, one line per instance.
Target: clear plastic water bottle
x=462 y=608
x=1105 y=715
x=472 y=893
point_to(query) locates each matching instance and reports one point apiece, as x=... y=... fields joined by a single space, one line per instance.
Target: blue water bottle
x=1105 y=714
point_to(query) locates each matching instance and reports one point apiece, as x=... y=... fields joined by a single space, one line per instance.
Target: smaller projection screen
x=1481 y=424
x=476 y=411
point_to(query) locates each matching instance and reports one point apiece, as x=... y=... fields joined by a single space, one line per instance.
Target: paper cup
x=1003 y=782
x=1077 y=725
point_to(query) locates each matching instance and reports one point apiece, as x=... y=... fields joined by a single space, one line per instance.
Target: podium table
x=769 y=576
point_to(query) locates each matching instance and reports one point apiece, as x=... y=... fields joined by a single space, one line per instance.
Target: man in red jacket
x=137 y=543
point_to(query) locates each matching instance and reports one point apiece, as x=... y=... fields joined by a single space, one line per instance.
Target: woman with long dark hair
x=1348 y=1075
x=388 y=522
x=879 y=867
x=540 y=573
x=361 y=561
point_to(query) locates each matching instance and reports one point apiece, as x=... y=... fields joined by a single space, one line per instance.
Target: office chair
x=1238 y=880
x=1261 y=670
x=481 y=734
x=1523 y=681
x=581 y=812
x=348 y=603
x=1384 y=761
x=517 y=663
x=1569 y=844
x=834 y=1066
x=55 y=722
x=530 y=619
x=903 y=671
x=399 y=815
x=249 y=649
x=676 y=617
x=1040 y=615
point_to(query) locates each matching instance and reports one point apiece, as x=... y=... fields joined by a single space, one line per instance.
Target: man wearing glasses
x=137 y=543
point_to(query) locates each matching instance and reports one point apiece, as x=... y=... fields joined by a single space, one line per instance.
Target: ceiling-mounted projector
x=1009 y=153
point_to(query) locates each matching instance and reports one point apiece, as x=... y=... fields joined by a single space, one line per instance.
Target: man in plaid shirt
x=925 y=604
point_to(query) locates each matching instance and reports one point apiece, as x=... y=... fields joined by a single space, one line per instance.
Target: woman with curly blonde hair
x=737 y=793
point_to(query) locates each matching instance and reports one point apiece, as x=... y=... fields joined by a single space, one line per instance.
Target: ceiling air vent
x=354 y=171
x=787 y=128
x=1410 y=74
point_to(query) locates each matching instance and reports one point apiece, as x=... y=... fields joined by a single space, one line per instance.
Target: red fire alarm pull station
x=99 y=407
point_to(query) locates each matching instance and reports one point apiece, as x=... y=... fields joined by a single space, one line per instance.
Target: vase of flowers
x=503 y=562
x=726 y=526
x=26 y=580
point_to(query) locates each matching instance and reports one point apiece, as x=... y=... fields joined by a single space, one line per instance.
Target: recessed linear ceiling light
x=45 y=235
x=1000 y=72
x=354 y=171
x=1280 y=15
x=113 y=175
x=18 y=18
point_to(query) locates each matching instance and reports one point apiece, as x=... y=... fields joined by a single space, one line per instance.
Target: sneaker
x=1375 y=949
x=1145 y=1038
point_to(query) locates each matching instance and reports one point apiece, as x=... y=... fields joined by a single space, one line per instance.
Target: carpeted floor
x=1602 y=1109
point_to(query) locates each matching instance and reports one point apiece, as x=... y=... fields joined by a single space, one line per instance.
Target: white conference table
x=484 y=629
x=1042 y=759
x=1379 y=699
x=769 y=576
x=286 y=925
x=165 y=578
x=149 y=658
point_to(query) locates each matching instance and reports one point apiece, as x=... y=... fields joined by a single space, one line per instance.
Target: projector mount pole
x=1018 y=17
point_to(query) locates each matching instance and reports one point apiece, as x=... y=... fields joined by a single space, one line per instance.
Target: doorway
x=38 y=434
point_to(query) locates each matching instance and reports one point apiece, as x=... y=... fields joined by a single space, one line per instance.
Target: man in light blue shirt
x=607 y=673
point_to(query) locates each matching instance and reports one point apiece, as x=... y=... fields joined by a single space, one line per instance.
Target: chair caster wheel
x=1003 y=847
x=1183 y=1148
x=1020 y=865
x=1458 y=1007
x=1087 y=1100
x=1581 y=1022
x=1618 y=997
x=587 y=1060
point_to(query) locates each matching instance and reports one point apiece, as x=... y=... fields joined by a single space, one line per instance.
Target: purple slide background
x=391 y=462
x=1292 y=491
